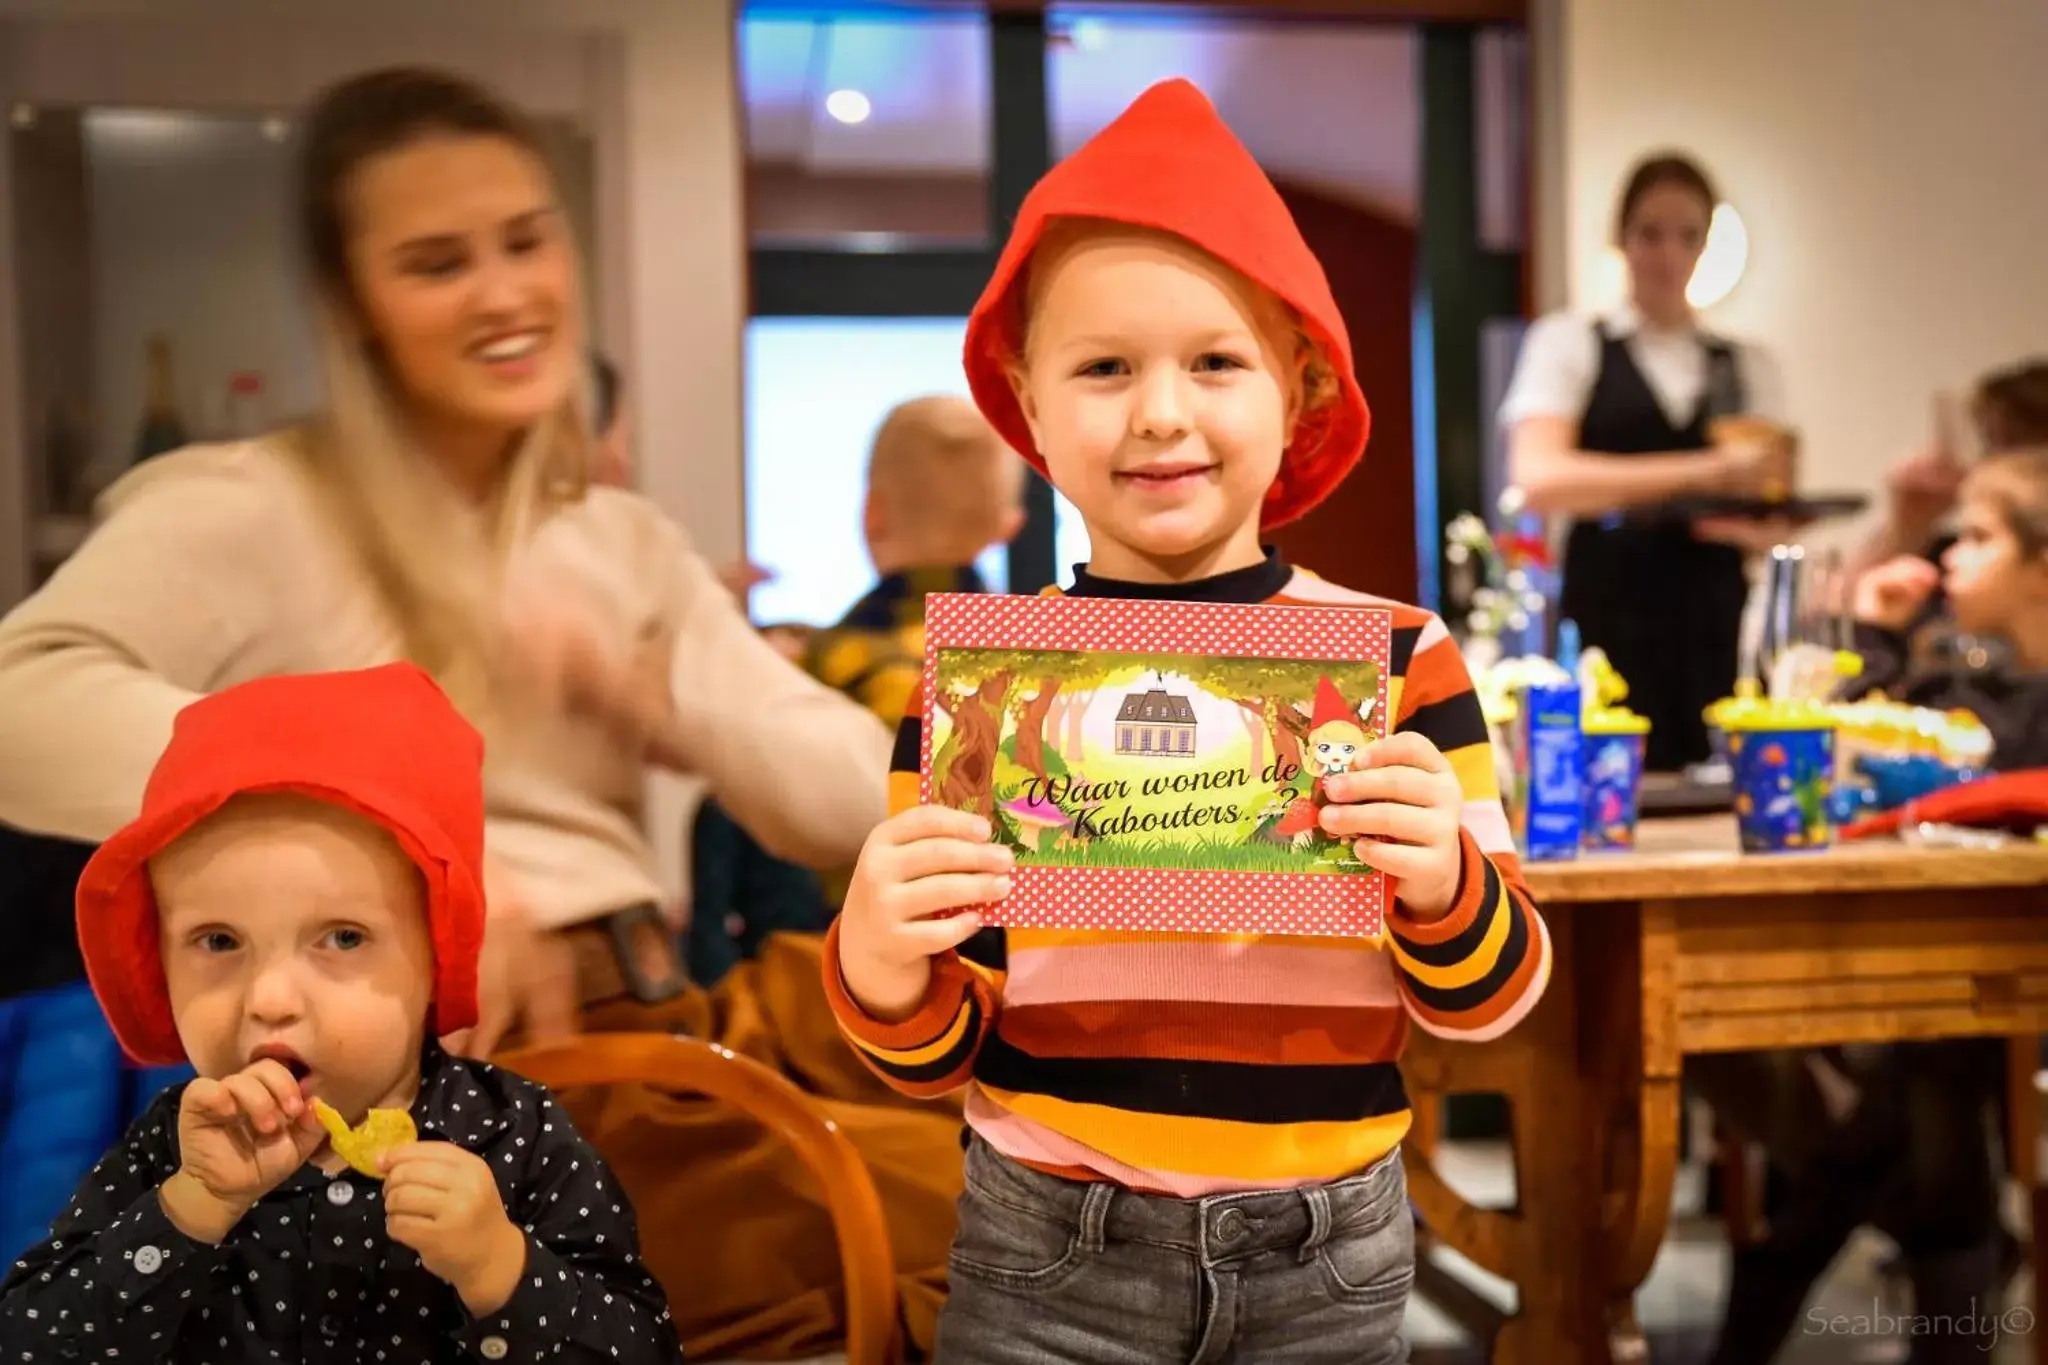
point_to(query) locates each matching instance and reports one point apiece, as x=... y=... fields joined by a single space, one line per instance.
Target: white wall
x=190 y=237
x=1887 y=156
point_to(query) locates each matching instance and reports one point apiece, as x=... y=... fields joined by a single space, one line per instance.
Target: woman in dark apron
x=1612 y=416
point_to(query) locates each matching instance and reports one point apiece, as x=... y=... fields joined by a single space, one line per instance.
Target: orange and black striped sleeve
x=933 y=1051
x=1475 y=972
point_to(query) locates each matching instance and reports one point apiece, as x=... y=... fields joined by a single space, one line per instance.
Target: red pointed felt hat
x=1330 y=706
x=382 y=742
x=1171 y=164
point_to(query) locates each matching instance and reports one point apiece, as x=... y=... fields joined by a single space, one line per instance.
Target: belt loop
x=1317 y=1197
x=1095 y=1215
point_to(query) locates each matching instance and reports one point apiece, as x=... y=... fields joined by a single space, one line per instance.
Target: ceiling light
x=848 y=106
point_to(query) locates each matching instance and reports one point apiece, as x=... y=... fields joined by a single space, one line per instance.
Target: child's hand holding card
x=1403 y=809
x=917 y=868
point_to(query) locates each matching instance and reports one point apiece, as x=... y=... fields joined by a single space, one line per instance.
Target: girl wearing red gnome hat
x=1187 y=1147
x=1336 y=744
x=298 y=910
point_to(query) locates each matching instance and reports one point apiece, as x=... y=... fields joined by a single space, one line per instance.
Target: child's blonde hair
x=2016 y=483
x=939 y=472
x=1314 y=376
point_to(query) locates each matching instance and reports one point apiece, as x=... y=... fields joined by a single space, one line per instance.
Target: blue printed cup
x=1784 y=781
x=1613 y=787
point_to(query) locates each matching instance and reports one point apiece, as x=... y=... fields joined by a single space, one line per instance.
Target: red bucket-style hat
x=1170 y=163
x=383 y=742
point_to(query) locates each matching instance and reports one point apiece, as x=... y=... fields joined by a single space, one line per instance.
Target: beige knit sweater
x=212 y=565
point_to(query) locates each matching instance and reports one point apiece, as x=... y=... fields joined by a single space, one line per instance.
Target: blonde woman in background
x=441 y=509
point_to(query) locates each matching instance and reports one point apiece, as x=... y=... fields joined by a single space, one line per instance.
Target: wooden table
x=1687 y=946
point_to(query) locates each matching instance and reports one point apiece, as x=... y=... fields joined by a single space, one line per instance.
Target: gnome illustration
x=1336 y=743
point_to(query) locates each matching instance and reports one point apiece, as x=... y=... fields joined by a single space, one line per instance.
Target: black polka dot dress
x=309 y=1275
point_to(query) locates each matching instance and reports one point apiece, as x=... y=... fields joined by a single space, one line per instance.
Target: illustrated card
x=1156 y=765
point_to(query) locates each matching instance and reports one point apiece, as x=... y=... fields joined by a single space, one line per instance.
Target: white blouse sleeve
x=1555 y=373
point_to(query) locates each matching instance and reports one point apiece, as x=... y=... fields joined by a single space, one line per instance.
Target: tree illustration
x=978 y=687
x=969 y=755
x=1056 y=722
x=1254 y=719
x=1031 y=726
x=1078 y=703
x=1063 y=721
x=1044 y=678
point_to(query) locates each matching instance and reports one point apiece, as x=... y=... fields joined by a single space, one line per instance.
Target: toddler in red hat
x=297 y=911
x=1187 y=1146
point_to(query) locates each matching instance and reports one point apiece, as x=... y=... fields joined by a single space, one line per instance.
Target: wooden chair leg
x=2040 y=1229
x=1426 y=1129
x=1743 y=1177
x=2023 y=1110
x=2024 y=1103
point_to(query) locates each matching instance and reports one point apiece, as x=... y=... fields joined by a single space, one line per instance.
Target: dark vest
x=1665 y=607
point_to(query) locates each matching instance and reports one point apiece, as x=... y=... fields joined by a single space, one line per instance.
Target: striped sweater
x=1187 y=1064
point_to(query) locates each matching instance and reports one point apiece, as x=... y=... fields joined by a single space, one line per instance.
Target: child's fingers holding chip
x=409 y=1199
x=420 y=1164
x=260 y=1108
x=273 y=1076
x=208 y=1101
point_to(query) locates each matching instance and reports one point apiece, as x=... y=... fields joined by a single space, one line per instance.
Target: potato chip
x=364 y=1146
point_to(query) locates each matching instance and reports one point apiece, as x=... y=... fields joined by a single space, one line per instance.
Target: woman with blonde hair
x=441 y=509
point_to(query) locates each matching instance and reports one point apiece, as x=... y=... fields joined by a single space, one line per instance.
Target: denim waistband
x=1215 y=1228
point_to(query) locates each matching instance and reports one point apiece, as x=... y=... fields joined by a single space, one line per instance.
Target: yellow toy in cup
x=1601 y=692
x=1752 y=713
x=363 y=1147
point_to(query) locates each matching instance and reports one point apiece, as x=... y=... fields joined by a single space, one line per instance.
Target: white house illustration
x=1155 y=723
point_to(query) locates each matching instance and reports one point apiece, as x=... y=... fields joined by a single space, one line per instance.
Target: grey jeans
x=1047 y=1270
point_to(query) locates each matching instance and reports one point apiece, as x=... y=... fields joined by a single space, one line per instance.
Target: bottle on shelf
x=163 y=428
x=244 y=418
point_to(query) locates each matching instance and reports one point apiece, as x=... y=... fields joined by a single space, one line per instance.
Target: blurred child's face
x=296 y=930
x=1161 y=389
x=1991 y=579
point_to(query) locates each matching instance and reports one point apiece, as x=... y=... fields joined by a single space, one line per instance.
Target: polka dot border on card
x=1142 y=899
x=999 y=621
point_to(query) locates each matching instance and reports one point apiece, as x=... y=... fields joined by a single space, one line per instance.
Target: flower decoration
x=1502 y=575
